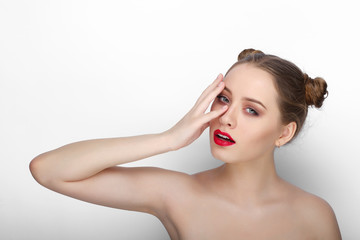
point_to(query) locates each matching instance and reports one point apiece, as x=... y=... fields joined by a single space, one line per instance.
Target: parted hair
x=296 y=90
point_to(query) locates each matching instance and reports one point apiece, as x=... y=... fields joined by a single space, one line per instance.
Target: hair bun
x=248 y=52
x=315 y=91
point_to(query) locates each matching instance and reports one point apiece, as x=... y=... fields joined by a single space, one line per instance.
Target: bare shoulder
x=315 y=214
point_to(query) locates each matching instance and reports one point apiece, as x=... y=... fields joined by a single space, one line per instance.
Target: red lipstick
x=223 y=138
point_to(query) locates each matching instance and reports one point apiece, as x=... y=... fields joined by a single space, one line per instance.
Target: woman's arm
x=80 y=160
x=86 y=170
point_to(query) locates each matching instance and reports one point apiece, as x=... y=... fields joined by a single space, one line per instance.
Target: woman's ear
x=287 y=134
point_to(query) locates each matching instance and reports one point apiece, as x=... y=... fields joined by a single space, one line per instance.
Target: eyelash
x=221 y=99
x=249 y=110
x=255 y=113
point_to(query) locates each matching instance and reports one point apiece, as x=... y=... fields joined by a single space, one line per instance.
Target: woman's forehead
x=246 y=79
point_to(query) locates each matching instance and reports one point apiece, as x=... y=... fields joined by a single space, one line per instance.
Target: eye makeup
x=254 y=101
x=244 y=98
x=250 y=110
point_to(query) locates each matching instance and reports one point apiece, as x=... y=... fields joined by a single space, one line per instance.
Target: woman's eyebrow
x=248 y=99
x=226 y=89
x=255 y=101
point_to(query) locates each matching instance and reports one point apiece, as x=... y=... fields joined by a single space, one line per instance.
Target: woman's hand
x=192 y=125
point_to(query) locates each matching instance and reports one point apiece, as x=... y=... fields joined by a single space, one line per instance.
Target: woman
x=260 y=104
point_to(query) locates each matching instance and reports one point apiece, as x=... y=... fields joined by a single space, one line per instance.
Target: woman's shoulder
x=314 y=213
x=308 y=203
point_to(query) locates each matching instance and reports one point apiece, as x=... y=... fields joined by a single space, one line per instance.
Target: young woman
x=260 y=104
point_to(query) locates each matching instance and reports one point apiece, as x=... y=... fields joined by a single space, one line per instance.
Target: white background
x=74 y=70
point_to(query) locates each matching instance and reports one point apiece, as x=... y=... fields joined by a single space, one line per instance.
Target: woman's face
x=252 y=121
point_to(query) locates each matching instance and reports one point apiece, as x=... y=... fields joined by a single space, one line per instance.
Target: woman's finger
x=210 y=88
x=214 y=114
x=205 y=102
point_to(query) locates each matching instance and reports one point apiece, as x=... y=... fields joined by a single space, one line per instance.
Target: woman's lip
x=221 y=141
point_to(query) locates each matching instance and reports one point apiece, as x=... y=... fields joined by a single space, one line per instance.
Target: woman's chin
x=221 y=155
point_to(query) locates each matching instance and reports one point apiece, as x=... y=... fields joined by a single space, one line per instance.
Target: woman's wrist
x=169 y=141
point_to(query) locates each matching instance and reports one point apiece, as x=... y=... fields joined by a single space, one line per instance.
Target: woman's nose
x=228 y=118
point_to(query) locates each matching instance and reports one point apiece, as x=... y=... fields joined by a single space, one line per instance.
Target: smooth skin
x=242 y=199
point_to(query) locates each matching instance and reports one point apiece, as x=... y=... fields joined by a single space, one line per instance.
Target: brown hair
x=297 y=91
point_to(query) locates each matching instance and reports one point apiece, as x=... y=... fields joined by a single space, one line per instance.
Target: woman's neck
x=250 y=181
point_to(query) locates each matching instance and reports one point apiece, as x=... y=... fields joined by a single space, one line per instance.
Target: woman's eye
x=251 y=111
x=223 y=99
